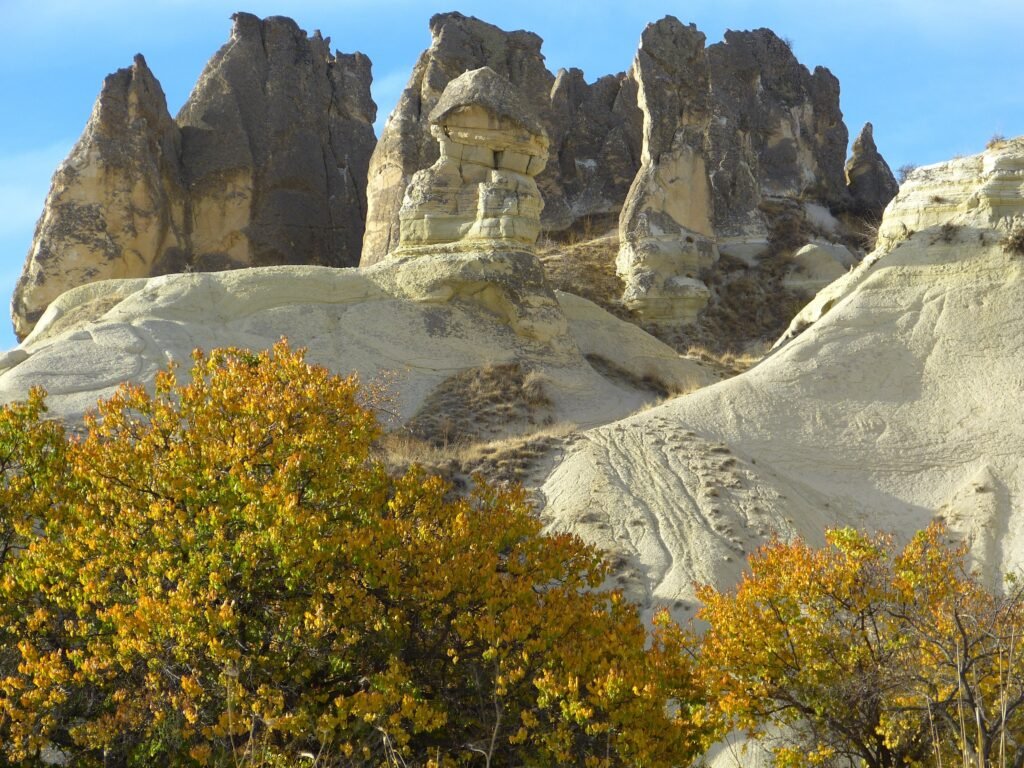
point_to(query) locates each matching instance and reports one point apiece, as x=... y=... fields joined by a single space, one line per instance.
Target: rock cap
x=485 y=88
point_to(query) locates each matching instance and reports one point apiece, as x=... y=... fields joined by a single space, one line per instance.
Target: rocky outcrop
x=985 y=190
x=596 y=142
x=117 y=204
x=266 y=164
x=743 y=146
x=665 y=229
x=469 y=222
x=276 y=142
x=868 y=177
x=777 y=133
x=593 y=129
x=482 y=186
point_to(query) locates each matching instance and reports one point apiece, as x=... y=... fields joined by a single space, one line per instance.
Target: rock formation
x=979 y=191
x=741 y=144
x=117 y=204
x=276 y=142
x=777 y=134
x=469 y=222
x=665 y=229
x=593 y=129
x=734 y=149
x=482 y=186
x=868 y=177
x=266 y=164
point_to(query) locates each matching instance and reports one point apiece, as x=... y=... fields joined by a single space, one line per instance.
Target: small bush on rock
x=904 y=171
x=1013 y=243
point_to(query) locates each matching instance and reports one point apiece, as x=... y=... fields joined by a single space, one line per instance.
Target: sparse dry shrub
x=904 y=171
x=1013 y=242
x=996 y=140
x=947 y=233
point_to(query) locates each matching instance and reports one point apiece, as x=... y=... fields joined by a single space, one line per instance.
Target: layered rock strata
x=593 y=129
x=265 y=164
x=983 y=190
x=469 y=222
x=482 y=186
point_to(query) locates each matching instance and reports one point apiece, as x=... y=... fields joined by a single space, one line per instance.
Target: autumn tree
x=859 y=653
x=223 y=573
x=969 y=667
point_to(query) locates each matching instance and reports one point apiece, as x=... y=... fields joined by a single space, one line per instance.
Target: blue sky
x=937 y=78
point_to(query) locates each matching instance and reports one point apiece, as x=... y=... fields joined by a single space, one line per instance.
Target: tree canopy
x=222 y=572
x=874 y=656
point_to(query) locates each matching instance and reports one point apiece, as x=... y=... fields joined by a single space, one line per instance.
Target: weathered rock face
x=597 y=145
x=985 y=190
x=266 y=164
x=116 y=204
x=482 y=186
x=868 y=177
x=738 y=138
x=778 y=131
x=593 y=129
x=665 y=228
x=276 y=142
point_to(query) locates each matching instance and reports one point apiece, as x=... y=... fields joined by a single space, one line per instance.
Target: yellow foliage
x=221 y=573
x=858 y=652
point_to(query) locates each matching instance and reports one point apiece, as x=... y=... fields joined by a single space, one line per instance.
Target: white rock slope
x=899 y=401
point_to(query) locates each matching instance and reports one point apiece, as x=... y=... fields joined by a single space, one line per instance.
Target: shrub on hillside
x=857 y=654
x=221 y=573
x=1013 y=242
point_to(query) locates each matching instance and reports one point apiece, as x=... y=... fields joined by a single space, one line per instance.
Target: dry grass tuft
x=728 y=363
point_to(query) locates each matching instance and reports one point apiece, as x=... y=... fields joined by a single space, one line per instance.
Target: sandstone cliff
x=743 y=153
x=266 y=164
x=665 y=231
x=735 y=148
x=117 y=204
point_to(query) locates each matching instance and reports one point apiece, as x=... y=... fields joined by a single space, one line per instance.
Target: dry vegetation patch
x=483 y=403
x=512 y=459
x=495 y=421
x=586 y=267
x=1013 y=243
